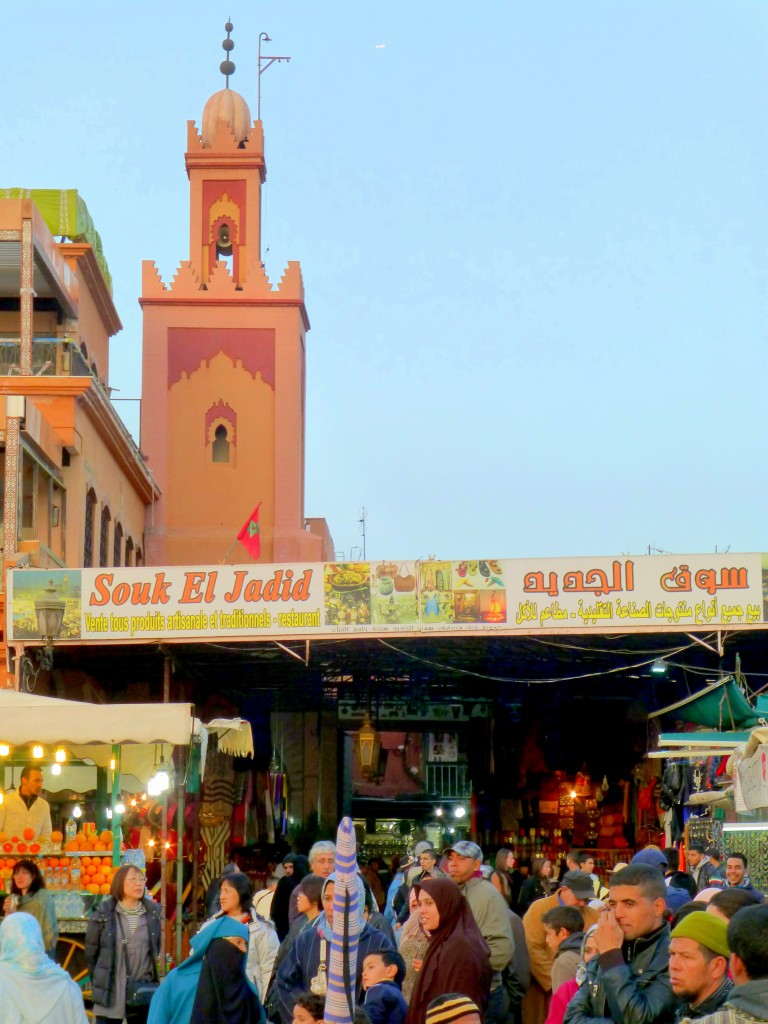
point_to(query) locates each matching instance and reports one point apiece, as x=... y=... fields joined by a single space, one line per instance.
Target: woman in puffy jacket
x=236 y=896
x=122 y=941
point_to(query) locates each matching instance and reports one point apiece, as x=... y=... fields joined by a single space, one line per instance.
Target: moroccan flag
x=249 y=536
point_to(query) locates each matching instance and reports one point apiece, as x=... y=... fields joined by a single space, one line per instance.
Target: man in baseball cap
x=575 y=890
x=698 y=964
x=491 y=913
x=653 y=858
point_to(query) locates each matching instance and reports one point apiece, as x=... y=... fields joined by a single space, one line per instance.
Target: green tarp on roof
x=65 y=213
x=721 y=706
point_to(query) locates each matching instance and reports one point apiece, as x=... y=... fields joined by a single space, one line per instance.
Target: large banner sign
x=686 y=592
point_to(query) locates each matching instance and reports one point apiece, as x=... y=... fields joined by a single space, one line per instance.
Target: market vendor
x=25 y=808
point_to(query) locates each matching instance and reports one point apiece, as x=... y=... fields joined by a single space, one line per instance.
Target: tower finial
x=227 y=66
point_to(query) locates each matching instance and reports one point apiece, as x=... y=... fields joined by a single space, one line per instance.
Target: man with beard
x=698 y=964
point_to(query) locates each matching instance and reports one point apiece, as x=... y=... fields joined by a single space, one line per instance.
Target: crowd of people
x=443 y=938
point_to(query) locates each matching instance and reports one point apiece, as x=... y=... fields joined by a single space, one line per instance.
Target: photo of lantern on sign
x=46 y=606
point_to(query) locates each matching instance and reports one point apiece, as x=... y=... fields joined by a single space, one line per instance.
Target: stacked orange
x=97 y=874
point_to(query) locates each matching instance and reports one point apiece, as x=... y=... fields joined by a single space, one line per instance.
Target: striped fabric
x=347 y=918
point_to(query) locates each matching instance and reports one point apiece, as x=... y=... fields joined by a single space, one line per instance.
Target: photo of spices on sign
x=347 y=588
x=394 y=599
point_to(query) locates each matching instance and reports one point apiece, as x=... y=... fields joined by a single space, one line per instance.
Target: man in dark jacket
x=698 y=964
x=736 y=876
x=702 y=869
x=747 y=1002
x=628 y=981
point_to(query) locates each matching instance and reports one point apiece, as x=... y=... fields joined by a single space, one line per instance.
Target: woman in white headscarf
x=33 y=989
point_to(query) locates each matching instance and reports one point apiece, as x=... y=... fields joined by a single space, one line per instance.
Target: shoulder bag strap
x=152 y=956
x=128 y=972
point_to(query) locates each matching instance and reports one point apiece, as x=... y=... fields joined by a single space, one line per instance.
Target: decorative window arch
x=90 y=507
x=129 y=551
x=139 y=557
x=118 y=545
x=106 y=519
x=220 y=444
x=221 y=432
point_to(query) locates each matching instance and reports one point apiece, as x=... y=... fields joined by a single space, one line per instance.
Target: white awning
x=25 y=719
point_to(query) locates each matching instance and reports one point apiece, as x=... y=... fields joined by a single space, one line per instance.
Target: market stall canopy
x=26 y=718
x=234 y=735
x=722 y=705
x=145 y=732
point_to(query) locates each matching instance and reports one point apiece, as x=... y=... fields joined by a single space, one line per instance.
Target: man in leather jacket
x=628 y=982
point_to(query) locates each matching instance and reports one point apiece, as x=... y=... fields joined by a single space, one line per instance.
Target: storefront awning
x=26 y=718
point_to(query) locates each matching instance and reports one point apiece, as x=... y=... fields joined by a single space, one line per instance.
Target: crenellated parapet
x=257 y=289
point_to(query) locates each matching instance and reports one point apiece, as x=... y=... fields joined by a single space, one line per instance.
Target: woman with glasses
x=121 y=946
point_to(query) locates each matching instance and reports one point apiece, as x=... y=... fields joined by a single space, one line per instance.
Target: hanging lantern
x=368 y=745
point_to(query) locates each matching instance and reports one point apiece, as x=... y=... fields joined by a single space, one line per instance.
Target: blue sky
x=532 y=235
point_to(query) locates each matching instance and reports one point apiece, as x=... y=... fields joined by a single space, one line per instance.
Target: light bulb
x=439 y=812
x=4 y=750
x=109 y=813
x=61 y=755
x=120 y=808
x=112 y=764
x=133 y=802
x=76 y=811
x=167 y=845
x=573 y=794
x=459 y=812
x=151 y=842
x=37 y=751
x=55 y=769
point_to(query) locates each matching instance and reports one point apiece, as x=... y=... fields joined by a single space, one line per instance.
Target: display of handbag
x=405 y=582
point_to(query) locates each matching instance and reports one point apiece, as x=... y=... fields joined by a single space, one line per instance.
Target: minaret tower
x=222 y=416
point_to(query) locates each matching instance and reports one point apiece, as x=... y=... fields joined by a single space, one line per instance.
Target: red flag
x=249 y=536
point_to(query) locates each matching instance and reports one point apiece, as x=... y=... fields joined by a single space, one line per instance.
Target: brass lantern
x=368 y=745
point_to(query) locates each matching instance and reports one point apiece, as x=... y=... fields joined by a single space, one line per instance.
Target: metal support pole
x=179 y=871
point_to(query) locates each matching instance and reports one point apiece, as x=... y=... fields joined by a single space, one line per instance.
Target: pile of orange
x=97 y=874
x=83 y=843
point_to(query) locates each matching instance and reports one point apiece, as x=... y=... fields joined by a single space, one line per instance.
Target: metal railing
x=51 y=357
x=448 y=781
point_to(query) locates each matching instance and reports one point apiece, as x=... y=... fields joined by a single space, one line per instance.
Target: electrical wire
x=601 y=650
x=516 y=679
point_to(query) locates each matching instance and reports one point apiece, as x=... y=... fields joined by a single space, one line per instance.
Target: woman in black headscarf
x=296 y=867
x=223 y=994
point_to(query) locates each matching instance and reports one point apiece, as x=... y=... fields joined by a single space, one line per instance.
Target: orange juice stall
x=97 y=760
